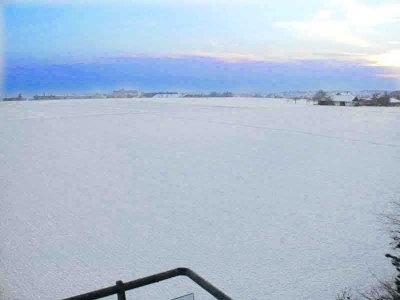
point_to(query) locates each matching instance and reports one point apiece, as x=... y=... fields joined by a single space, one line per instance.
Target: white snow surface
x=267 y=199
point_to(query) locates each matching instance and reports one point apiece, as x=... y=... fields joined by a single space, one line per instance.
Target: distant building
x=124 y=94
x=358 y=101
x=18 y=98
x=394 y=102
x=167 y=95
x=343 y=99
x=148 y=95
x=324 y=102
x=338 y=99
x=46 y=97
x=160 y=95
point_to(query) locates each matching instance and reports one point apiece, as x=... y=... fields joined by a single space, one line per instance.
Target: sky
x=200 y=45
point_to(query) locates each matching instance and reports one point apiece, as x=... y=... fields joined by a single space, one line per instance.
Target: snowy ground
x=266 y=199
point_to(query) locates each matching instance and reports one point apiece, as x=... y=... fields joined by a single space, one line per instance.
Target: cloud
x=387 y=59
x=325 y=29
x=389 y=75
x=193 y=74
x=233 y=57
x=363 y=15
x=352 y=55
x=346 y=22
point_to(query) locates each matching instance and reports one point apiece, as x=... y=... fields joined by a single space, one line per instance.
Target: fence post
x=121 y=290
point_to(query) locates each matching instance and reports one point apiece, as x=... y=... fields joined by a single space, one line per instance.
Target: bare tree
x=390 y=289
x=322 y=96
x=381 y=99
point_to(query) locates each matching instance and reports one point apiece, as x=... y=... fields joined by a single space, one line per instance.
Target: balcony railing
x=120 y=287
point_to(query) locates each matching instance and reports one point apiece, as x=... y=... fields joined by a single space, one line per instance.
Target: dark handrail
x=121 y=287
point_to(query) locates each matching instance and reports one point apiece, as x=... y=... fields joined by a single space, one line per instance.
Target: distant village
x=349 y=99
x=333 y=98
x=118 y=94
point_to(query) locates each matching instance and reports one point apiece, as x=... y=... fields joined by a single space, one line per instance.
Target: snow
x=267 y=199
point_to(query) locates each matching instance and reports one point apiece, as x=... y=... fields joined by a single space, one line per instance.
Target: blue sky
x=199 y=45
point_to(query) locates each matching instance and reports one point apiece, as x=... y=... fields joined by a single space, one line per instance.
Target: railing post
x=121 y=290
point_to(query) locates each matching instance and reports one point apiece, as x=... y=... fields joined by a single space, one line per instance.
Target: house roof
x=343 y=98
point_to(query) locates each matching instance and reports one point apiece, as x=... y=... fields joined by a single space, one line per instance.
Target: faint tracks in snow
x=294 y=131
x=170 y=114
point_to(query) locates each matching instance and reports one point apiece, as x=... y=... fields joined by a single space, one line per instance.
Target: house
x=364 y=102
x=343 y=99
x=324 y=102
x=394 y=102
x=338 y=99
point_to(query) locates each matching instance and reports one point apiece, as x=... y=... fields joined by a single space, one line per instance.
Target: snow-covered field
x=266 y=199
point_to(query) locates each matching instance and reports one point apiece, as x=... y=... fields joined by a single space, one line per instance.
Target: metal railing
x=120 y=287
